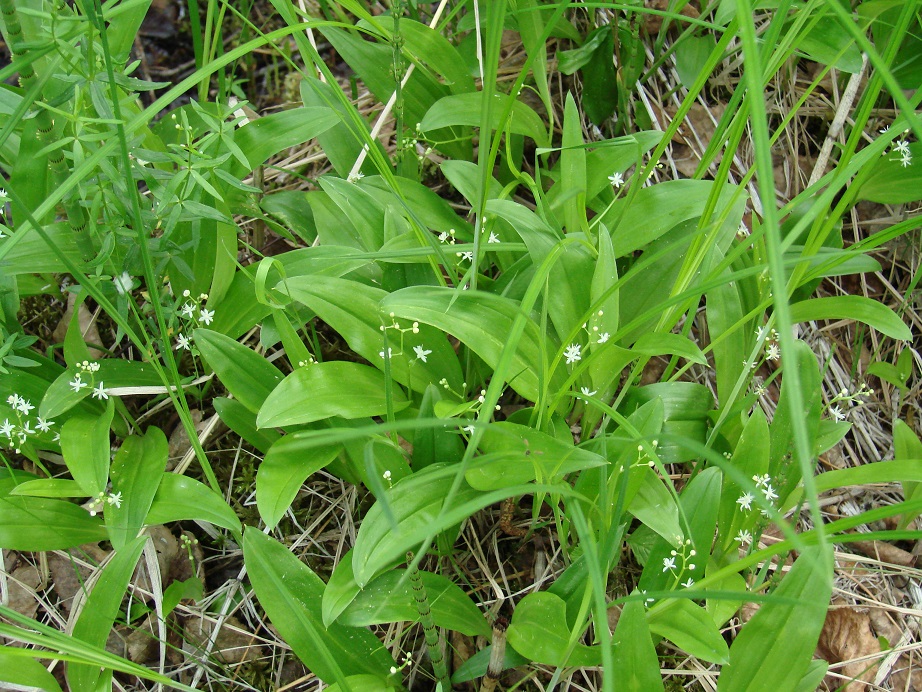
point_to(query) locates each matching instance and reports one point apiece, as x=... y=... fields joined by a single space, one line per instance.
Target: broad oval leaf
x=25 y=673
x=519 y=454
x=415 y=503
x=323 y=390
x=353 y=310
x=282 y=473
x=871 y=312
x=539 y=631
x=180 y=497
x=136 y=472
x=481 y=321
x=291 y=593
x=34 y=524
x=691 y=628
x=85 y=446
x=774 y=649
x=389 y=598
x=248 y=376
x=465 y=109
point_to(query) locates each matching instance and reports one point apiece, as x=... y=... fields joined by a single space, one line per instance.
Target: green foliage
x=447 y=356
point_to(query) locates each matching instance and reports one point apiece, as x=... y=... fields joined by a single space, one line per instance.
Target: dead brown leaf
x=846 y=636
x=24 y=581
x=67 y=576
x=883 y=551
x=87 y=324
x=232 y=645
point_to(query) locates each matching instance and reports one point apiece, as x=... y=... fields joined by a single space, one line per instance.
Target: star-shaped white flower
x=493 y=238
x=902 y=147
x=688 y=583
x=668 y=563
x=769 y=492
x=837 y=413
x=100 y=393
x=421 y=353
x=585 y=390
x=616 y=179
x=24 y=406
x=764 y=479
x=743 y=537
x=187 y=309
x=182 y=342
x=7 y=429
x=603 y=337
x=745 y=501
x=44 y=425
x=77 y=384
x=572 y=353
x=206 y=316
x=115 y=499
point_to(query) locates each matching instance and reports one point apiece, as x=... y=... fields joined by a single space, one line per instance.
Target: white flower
x=13 y=400
x=7 y=429
x=24 y=406
x=616 y=179
x=469 y=429
x=77 y=384
x=906 y=160
x=743 y=537
x=493 y=238
x=44 y=425
x=762 y=480
x=769 y=492
x=745 y=501
x=668 y=563
x=772 y=352
x=837 y=413
x=206 y=316
x=443 y=236
x=123 y=283
x=603 y=337
x=902 y=146
x=688 y=583
x=469 y=256
x=585 y=390
x=387 y=475
x=182 y=342
x=355 y=177
x=115 y=499
x=187 y=309
x=4 y=198
x=572 y=353
x=100 y=392
x=421 y=353
x=390 y=353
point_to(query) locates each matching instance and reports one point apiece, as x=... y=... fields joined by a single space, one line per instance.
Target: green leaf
x=366 y=683
x=34 y=524
x=516 y=454
x=389 y=598
x=263 y=137
x=481 y=321
x=573 y=169
x=49 y=487
x=660 y=344
x=323 y=390
x=95 y=621
x=25 y=672
x=691 y=628
x=635 y=661
x=465 y=109
x=892 y=183
x=341 y=590
x=245 y=373
x=181 y=498
x=85 y=446
x=655 y=507
x=871 y=312
x=136 y=472
x=415 y=502
x=291 y=594
x=539 y=632
x=282 y=473
x=691 y=55
x=774 y=649
x=191 y=589
x=242 y=421
x=353 y=310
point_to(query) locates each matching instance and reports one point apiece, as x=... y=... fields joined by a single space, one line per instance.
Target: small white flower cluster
x=18 y=432
x=686 y=556
x=192 y=313
x=87 y=368
x=420 y=351
x=98 y=503
x=407 y=660
x=901 y=147
x=764 y=484
x=839 y=413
